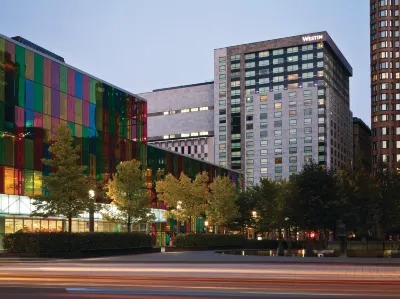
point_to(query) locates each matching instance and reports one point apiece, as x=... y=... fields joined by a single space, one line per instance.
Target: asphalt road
x=141 y=280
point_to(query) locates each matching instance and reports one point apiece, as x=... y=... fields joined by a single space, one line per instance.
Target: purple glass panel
x=71 y=108
x=86 y=88
x=55 y=75
x=71 y=82
x=55 y=103
x=85 y=113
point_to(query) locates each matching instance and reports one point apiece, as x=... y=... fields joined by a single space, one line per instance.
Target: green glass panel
x=2 y=71
x=124 y=124
x=92 y=91
x=1 y=151
x=2 y=111
x=28 y=182
x=28 y=152
x=8 y=150
x=20 y=60
x=85 y=132
x=72 y=127
x=21 y=92
x=63 y=78
x=38 y=68
x=38 y=103
x=99 y=156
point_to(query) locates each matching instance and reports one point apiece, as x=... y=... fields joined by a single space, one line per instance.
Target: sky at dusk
x=144 y=45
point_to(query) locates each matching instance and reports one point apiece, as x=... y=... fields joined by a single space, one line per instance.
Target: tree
x=186 y=198
x=66 y=188
x=317 y=198
x=244 y=218
x=129 y=196
x=222 y=208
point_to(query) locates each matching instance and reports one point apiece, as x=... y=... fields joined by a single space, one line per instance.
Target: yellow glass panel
x=37 y=183
x=29 y=65
x=47 y=128
x=63 y=106
x=78 y=131
x=9 y=180
x=78 y=111
x=46 y=100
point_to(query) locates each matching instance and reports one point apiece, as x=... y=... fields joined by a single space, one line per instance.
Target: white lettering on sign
x=311 y=38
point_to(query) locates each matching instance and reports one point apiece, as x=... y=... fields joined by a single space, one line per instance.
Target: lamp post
x=91 y=211
x=206 y=225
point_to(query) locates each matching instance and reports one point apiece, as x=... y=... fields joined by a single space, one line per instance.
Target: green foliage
x=208 y=240
x=186 y=198
x=66 y=188
x=244 y=218
x=129 y=196
x=75 y=242
x=222 y=208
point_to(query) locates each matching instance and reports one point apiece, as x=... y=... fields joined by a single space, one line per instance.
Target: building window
x=278 y=105
x=222 y=129
x=278 y=151
x=277 y=142
x=308 y=139
x=222 y=68
x=293 y=159
x=264 y=152
x=278 y=133
x=263 y=115
x=293 y=168
x=292 y=113
x=249 y=126
x=222 y=76
x=222 y=120
x=278 y=160
x=292 y=132
x=278 y=169
x=292 y=104
x=308 y=149
x=249 y=143
x=222 y=111
x=278 y=114
x=307 y=121
x=278 y=123
x=249 y=153
x=292 y=140
x=222 y=155
x=263 y=125
x=277 y=96
x=292 y=122
x=264 y=143
x=264 y=170
x=263 y=98
x=249 y=161
x=222 y=59
x=249 y=135
x=292 y=150
x=222 y=146
x=264 y=161
x=222 y=137
x=222 y=102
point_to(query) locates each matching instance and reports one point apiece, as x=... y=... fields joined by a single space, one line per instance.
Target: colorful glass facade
x=38 y=92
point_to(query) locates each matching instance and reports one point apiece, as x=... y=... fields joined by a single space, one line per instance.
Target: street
x=107 y=278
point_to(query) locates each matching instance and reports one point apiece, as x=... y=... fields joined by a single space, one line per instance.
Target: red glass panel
x=10 y=51
x=38 y=144
x=38 y=120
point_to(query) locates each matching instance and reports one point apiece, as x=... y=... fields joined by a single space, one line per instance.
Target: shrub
x=208 y=241
x=364 y=253
x=73 y=242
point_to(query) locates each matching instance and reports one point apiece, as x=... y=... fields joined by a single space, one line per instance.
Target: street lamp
x=91 y=210
x=254 y=213
x=206 y=225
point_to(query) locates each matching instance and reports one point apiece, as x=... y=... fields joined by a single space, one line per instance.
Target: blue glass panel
x=92 y=116
x=78 y=85
x=29 y=94
x=29 y=118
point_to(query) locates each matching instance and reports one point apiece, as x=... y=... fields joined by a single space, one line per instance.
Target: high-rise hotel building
x=385 y=81
x=281 y=103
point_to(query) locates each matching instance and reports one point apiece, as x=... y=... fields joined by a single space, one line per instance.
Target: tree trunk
x=70 y=224
x=129 y=225
x=91 y=220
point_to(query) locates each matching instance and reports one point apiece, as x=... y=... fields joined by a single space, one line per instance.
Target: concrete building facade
x=310 y=66
x=361 y=145
x=181 y=119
